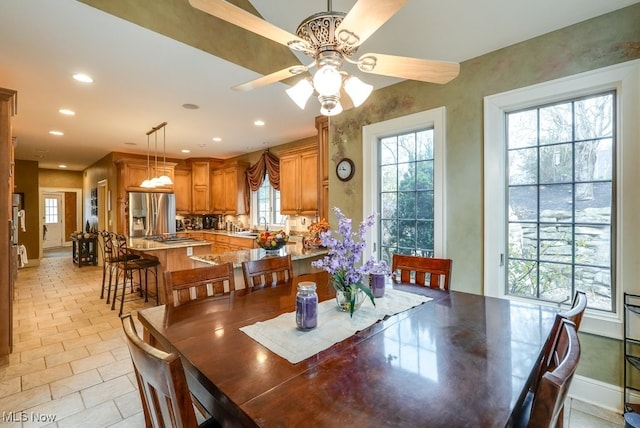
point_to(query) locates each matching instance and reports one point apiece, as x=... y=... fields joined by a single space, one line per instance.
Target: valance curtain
x=255 y=174
x=269 y=163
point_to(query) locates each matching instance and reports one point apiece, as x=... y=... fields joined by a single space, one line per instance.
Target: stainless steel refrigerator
x=151 y=214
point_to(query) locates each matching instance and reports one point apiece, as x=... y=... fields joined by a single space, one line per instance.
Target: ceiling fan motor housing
x=319 y=31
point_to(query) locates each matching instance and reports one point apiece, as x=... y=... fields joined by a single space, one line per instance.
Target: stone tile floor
x=70 y=360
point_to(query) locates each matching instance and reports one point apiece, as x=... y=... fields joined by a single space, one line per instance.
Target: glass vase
x=343 y=299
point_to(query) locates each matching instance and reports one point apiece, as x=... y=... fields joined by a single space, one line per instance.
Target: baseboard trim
x=597 y=393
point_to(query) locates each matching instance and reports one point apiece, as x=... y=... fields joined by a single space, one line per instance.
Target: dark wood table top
x=458 y=360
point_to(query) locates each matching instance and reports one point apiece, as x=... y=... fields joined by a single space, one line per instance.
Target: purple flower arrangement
x=344 y=259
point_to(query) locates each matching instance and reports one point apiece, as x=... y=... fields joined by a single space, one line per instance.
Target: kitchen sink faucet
x=266 y=226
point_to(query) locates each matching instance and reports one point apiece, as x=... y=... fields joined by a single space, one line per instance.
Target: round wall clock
x=345 y=169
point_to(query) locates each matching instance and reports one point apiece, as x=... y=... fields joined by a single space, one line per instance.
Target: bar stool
x=128 y=266
x=110 y=258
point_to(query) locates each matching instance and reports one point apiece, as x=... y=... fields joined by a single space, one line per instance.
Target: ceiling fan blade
x=423 y=70
x=271 y=78
x=365 y=18
x=243 y=19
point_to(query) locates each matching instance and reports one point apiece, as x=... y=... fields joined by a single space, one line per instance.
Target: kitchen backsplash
x=297 y=225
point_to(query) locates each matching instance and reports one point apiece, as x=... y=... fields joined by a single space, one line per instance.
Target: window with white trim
x=267 y=204
x=403 y=171
x=561 y=193
x=560 y=200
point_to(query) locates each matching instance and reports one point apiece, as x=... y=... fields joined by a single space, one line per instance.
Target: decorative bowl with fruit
x=269 y=240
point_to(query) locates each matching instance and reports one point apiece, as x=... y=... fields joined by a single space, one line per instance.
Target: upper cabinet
x=299 y=180
x=182 y=189
x=132 y=172
x=229 y=189
x=200 y=187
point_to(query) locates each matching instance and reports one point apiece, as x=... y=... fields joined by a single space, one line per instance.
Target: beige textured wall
x=607 y=40
x=59 y=179
x=26 y=182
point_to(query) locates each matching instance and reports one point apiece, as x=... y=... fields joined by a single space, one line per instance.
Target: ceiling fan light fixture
x=164 y=180
x=301 y=92
x=327 y=80
x=357 y=90
x=330 y=105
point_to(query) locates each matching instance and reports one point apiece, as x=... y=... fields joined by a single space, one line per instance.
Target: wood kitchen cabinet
x=299 y=180
x=8 y=108
x=229 y=188
x=132 y=172
x=182 y=190
x=200 y=187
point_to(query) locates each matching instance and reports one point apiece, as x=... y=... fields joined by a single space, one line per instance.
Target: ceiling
x=143 y=78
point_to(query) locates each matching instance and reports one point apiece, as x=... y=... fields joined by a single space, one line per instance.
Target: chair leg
x=115 y=287
x=124 y=290
x=104 y=276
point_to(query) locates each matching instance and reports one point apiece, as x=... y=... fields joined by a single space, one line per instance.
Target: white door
x=52 y=220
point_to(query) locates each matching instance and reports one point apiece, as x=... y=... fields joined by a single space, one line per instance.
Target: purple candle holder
x=306 y=306
x=376 y=283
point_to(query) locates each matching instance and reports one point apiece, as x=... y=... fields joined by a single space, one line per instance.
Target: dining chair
x=578 y=306
x=182 y=286
x=414 y=270
x=267 y=272
x=544 y=406
x=573 y=314
x=162 y=384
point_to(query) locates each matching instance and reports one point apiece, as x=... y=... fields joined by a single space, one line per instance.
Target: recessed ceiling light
x=62 y=166
x=67 y=112
x=217 y=139
x=185 y=151
x=56 y=133
x=259 y=122
x=190 y=106
x=84 y=78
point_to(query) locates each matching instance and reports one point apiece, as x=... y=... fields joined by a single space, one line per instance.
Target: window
x=406 y=194
x=404 y=183
x=561 y=193
x=267 y=204
x=51 y=210
x=560 y=200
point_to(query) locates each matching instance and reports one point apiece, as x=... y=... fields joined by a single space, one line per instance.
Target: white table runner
x=281 y=336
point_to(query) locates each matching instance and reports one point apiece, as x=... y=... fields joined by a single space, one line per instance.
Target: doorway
x=52 y=224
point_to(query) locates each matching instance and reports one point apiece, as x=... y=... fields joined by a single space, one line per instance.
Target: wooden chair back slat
x=267 y=272
x=182 y=286
x=414 y=270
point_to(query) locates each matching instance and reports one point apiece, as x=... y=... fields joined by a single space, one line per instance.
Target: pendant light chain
x=159 y=180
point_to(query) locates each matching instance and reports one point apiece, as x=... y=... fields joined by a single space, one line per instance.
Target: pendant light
x=164 y=179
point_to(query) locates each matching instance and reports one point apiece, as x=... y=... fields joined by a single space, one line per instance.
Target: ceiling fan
x=331 y=38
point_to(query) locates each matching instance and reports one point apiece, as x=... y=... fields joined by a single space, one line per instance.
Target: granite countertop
x=297 y=251
x=246 y=235
x=148 y=245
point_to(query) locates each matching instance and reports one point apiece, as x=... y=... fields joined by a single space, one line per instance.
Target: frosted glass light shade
x=164 y=180
x=327 y=80
x=300 y=92
x=357 y=90
x=334 y=111
x=147 y=184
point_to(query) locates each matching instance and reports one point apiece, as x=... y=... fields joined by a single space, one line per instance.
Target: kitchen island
x=172 y=255
x=301 y=259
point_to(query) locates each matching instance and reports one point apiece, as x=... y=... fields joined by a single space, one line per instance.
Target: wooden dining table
x=459 y=360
